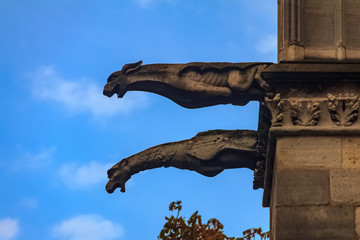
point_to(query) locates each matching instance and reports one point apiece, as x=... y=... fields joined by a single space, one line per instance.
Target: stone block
x=302 y=187
x=320 y=27
x=344 y=185
x=308 y=152
x=357 y=222
x=351 y=153
x=315 y=223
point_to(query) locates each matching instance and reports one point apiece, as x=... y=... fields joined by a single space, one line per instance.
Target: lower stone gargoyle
x=208 y=153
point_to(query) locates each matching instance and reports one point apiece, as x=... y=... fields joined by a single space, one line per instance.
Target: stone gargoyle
x=208 y=153
x=195 y=85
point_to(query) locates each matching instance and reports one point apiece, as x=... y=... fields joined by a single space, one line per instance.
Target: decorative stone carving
x=262 y=143
x=196 y=85
x=259 y=175
x=276 y=107
x=343 y=109
x=193 y=85
x=208 y=153
x=305 y=113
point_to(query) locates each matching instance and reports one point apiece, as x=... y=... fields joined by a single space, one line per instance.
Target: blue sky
x=59 y=135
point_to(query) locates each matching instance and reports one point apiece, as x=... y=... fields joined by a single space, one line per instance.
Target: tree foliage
x=176 y=228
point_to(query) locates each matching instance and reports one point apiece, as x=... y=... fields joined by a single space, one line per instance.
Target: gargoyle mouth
x=110 y=89
x=111 y=186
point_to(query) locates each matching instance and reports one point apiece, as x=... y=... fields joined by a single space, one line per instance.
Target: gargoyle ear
x=131 y=67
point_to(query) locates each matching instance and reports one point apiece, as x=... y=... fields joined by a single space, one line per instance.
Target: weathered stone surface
x=193 y=85
x=315 y=222
x=308 y=152
x=343 y=109
x=208 y=153
x=351 y=153
x=321 y=29
x=344 y=185
x=357 y=222
x=302 y=187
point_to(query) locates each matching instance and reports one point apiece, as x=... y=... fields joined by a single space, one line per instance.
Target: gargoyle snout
x=111 y=186
x=109 y=90
x=118 y=175
x=112 y=88
x=115 y=86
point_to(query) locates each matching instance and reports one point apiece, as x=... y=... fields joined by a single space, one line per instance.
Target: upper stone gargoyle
x=208 y=153
x=193 y=85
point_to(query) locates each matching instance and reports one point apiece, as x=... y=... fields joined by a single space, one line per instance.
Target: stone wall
x=318 y=29
x=316 y=193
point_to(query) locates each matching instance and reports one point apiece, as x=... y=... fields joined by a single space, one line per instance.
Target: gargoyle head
x=118 y=175
x=116 y=82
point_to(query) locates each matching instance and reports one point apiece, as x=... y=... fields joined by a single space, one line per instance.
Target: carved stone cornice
x=336 y=110
x=312 y=71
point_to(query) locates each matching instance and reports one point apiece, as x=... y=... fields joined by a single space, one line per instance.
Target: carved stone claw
x=208 y=153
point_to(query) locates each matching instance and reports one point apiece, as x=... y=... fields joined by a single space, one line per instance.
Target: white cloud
x=267 y=45
x=89 y=227
x=9 y=228
x=82 y=95
x=84 y=176
x=33 y=161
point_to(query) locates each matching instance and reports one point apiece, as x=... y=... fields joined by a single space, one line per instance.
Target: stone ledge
x=308 y=71
x=318 y=131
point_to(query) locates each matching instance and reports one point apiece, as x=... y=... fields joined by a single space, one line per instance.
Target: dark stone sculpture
x=196 y=85
x=208 y=153
x=264 y=125
x=193 y=85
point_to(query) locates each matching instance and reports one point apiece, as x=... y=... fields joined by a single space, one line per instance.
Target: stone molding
x=336 y=110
